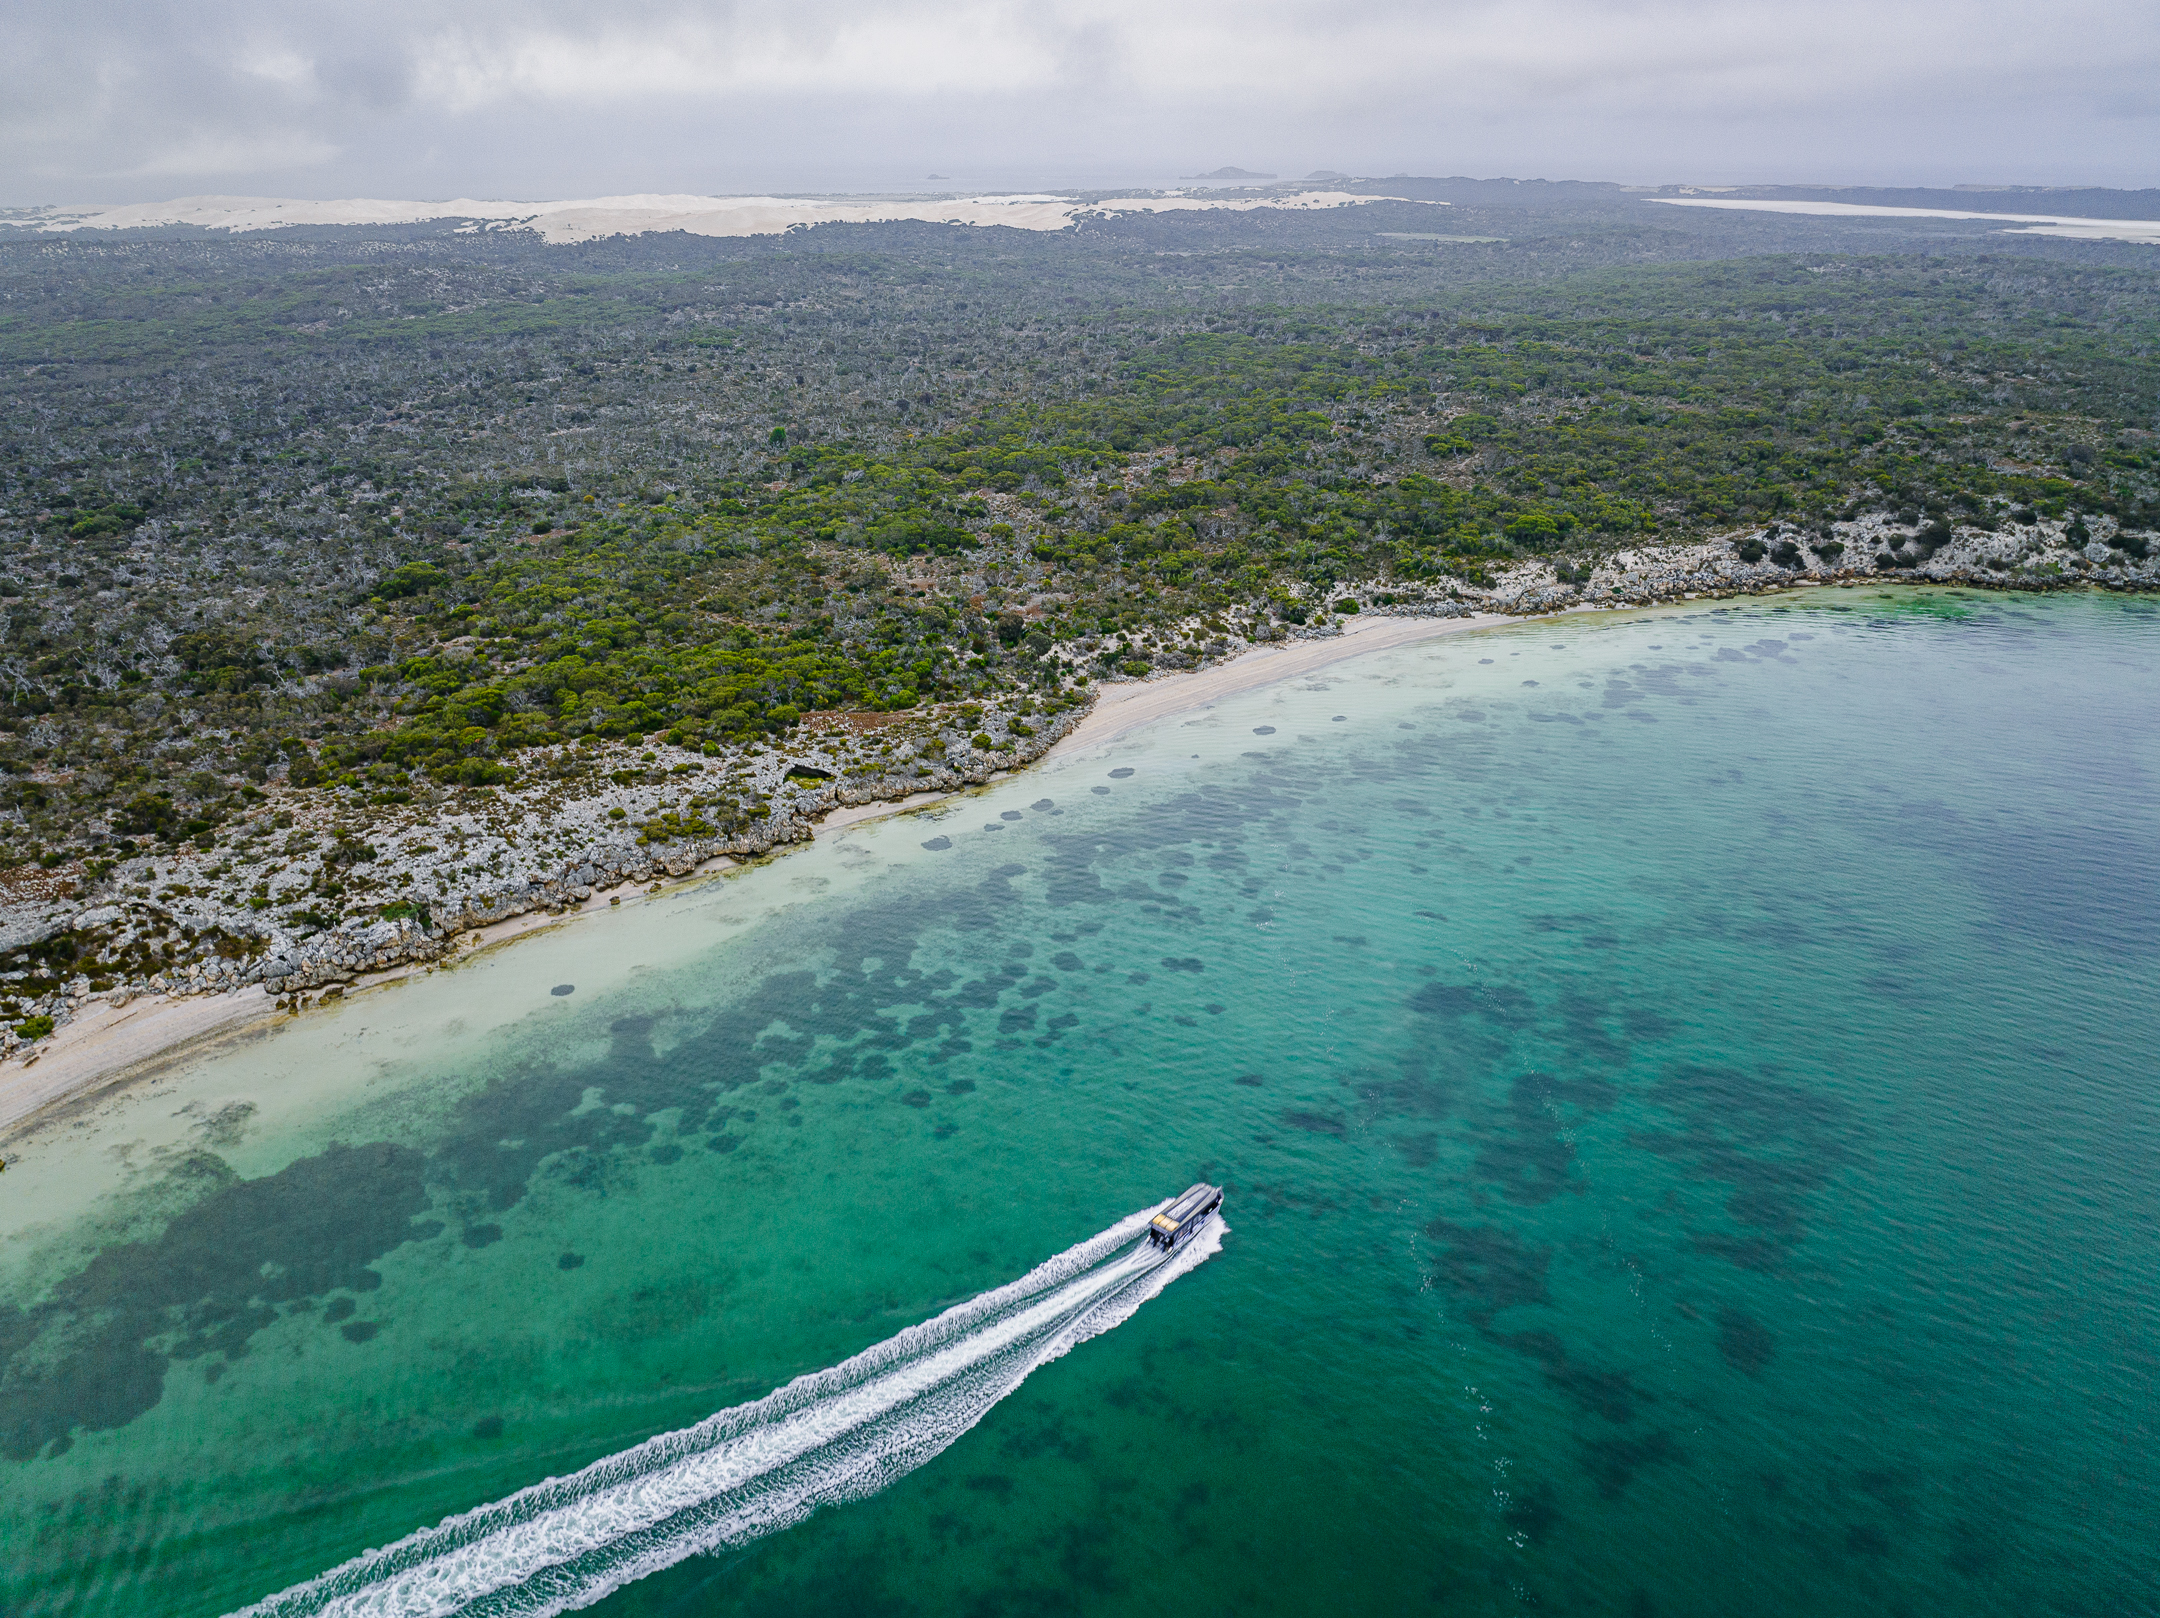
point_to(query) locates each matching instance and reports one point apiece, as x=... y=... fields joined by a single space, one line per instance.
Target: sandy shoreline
x=1127 y=707
x=106 y=1045
x=100 y=1044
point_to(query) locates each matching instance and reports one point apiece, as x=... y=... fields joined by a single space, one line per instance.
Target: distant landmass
x=1327 y=174
x=1229 y=174
x=593 y=218
x=2085 y=201
x=571 y=220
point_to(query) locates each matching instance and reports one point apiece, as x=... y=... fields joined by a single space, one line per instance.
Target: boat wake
x=834 y=1435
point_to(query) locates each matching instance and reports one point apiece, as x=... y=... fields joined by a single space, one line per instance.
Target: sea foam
x=834 y=1435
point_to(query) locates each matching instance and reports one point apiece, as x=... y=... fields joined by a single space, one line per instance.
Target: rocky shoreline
x=423 y=929
x=417 y=877
x=342 y=955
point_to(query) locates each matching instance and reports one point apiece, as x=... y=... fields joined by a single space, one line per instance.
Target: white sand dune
x=2032 y=224
x=592 y=218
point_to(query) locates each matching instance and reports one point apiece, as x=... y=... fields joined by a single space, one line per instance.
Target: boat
x=1175 y=1224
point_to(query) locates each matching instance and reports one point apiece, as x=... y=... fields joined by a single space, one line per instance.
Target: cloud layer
x=111 y=100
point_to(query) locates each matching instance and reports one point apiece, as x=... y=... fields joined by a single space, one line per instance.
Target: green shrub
x=146 y=814
x=473 y=772
x=1534 y=528
x=34 y=1027
x=410 y=580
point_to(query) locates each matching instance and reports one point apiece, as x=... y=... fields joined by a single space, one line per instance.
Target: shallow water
x=1683 y=1086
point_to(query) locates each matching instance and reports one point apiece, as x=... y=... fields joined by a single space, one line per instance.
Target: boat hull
x=1182 y=1219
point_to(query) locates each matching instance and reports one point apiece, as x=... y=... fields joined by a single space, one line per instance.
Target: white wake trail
x=834 y=1435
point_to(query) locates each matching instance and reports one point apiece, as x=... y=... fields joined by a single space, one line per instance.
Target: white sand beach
x=107 y=1045
x=1123 y=708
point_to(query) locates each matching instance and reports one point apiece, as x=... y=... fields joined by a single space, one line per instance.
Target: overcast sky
x=118 y=100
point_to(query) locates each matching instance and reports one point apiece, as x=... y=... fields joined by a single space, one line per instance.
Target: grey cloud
x=366 y=76
x=112 y=100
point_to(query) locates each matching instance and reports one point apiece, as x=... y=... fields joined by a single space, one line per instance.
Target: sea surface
x=1684 y=1085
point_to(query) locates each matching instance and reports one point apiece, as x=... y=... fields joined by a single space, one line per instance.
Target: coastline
x=107 y=1045
x=1127 y=707
x=302 y=891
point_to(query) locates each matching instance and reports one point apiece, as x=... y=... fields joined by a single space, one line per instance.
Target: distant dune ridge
x=592 y=218
x=2025 y=224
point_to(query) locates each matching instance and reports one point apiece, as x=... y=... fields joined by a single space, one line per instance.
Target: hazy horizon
x=1074 y=180
x=111 y=101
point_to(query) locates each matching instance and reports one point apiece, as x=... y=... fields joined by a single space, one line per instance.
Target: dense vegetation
x=358 y=513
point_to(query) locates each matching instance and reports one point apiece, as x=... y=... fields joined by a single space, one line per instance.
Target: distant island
x=1327 y=174
x=1228 y=174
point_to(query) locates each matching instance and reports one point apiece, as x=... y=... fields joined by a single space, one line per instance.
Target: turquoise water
x=1683 y=1085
